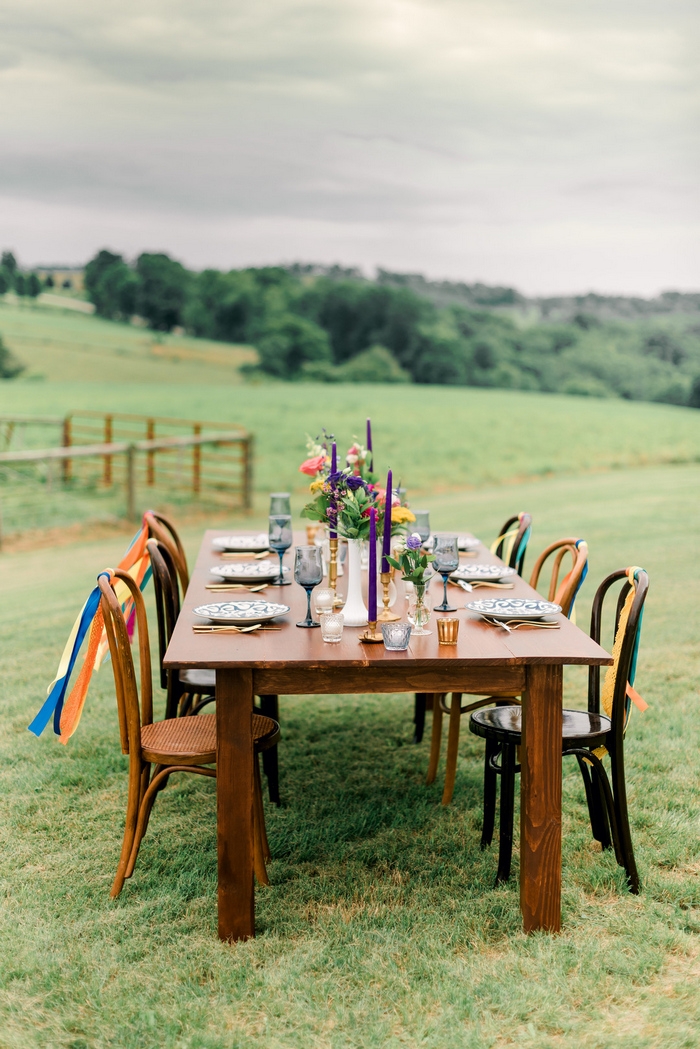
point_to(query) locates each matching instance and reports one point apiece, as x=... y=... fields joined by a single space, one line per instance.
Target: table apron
x=497 y=680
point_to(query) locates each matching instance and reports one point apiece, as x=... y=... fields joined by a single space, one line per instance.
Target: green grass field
x=381 y=927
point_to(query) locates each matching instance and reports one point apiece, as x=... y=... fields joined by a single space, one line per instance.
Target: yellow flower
x=317 y=485
x=401 y=515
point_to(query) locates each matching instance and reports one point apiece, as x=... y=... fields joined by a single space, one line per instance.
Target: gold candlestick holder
x=386 y=615
x=333 y=572
x=370 y=636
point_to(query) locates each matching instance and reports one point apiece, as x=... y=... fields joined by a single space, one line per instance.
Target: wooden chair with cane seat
x=186 y=744
x=510 y=546
x=587 y=734
x=189 y=691
x=162 y=528
x=564 y=594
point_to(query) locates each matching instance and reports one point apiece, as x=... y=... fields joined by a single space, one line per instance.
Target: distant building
x=67 y=277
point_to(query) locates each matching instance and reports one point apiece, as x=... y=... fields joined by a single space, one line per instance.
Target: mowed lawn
x=382 y=926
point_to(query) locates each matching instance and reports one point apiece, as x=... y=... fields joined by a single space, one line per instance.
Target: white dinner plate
x=257 y=571
x=465 y=543
x=513 y=608
x=242 y=544
x=475 y=573
x=241 y=612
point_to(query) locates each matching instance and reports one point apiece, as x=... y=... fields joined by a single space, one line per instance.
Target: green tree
x=49 y=282
x=8 y=262
x=162 y=290
x=5 y=280
x=290 y=342
x=9 y=365
x=694 y=398
x=94 y=274
x=33 y=285
x=20 y=284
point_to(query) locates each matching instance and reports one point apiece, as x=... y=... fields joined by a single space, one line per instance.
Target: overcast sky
x=548 y=144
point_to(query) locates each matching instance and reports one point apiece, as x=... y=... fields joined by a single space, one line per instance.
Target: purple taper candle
x=372 y=593
x=386 y=541
x=334 y=469
x=369 y=435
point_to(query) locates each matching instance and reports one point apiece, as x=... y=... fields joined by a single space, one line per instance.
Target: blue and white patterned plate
x=242 y=544
x=513 y=608
x=258 y=571
x=473 y=573
x=467 y=542
x=238 y=612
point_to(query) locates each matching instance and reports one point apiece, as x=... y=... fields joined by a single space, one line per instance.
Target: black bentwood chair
x=589 y=735
x=189 y=691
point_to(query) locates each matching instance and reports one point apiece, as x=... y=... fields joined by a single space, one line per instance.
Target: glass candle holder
x=396 y=636
x=447 y=630
x=331 y=626
x=323 y=600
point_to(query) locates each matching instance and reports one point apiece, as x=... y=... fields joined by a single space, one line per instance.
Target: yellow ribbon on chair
x=611 y=673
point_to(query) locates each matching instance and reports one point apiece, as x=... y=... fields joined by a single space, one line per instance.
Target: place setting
x=515 y=612
x=239 y=617
x=479 y=576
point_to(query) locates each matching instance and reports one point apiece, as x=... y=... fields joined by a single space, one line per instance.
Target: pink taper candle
x=386 y=539
x=334 y=469
x=372 y=593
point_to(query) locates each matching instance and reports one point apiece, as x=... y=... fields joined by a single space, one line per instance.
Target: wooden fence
x=185 y=458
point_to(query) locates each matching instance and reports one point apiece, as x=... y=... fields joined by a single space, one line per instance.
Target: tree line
x=335 y=325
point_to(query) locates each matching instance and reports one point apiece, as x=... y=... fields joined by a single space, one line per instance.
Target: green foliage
x=20 y=284
x=694 y=399
x=5 y=280
x=162 y=290
x=10 y=367
x=288 y=343
x=8 y=262
x=376 y=365
x=33 y=286
x=111 y=286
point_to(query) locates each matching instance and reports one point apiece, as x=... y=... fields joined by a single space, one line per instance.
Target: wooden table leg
x=540 y=800
x=234 y=803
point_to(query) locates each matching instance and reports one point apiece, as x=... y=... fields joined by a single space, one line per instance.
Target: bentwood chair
x=563 y=594
x=512 y=541
x=162 y=528
x=186 y=744
x=589 y=735
x=189 y=691
x=510 y=546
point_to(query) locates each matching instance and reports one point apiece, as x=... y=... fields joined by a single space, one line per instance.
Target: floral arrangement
x=411 y=562
x=343 y=499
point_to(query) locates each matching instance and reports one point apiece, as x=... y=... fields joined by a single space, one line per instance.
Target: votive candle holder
x=331 y=626
x=396 y=636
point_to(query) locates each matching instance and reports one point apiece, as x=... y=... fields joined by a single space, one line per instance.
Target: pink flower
x=312 y=466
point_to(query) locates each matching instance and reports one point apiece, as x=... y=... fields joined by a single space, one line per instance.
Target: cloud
x=391 y=128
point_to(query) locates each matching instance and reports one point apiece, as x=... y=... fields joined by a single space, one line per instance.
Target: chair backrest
x=512 y=541
x=163 y=529
x=167 y=595
x=628 y=621
x=563 y=593
x=132 y=714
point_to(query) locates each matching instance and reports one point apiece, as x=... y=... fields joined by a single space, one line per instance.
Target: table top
x=479 y=644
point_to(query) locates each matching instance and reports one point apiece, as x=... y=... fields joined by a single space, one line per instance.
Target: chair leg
x=261 y=849
x=159 y=781
x=269 y=706
x=452 y=747
x=619 y=791
x=419 y=707
x=435 y=740
x=132 y=811
x=595 y=799
x=490 y=780
x=505 y=849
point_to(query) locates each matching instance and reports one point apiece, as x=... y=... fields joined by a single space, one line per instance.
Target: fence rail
x=208 y=461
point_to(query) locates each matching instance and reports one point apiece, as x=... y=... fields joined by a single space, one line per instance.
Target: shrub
x=9 y=365
x=290 y=342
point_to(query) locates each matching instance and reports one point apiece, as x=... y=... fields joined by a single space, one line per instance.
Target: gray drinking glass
x=280 y=540
x=446 y=555
x=280 y=503
x=308 y=572
x=422 y=524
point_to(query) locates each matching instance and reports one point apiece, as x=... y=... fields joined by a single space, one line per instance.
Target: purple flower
x=413 y=542
x=354 y=482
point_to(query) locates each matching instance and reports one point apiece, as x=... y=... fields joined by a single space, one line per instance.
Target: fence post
x=108 y=458
x=130 y=483
x=67 y=441
x=150 y=456
x=196 y=461
x=248 y=472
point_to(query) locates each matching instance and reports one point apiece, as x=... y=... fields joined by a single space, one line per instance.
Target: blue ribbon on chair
x=581 y=580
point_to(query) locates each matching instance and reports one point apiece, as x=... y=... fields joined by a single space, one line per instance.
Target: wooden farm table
x=486 y=661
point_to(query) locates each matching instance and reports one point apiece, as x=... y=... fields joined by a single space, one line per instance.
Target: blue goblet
x=308 y=572
x=446 y=554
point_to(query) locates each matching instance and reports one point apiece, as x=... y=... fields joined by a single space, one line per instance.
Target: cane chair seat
x=192 y=740
x=504 y=725
x=199 y=681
